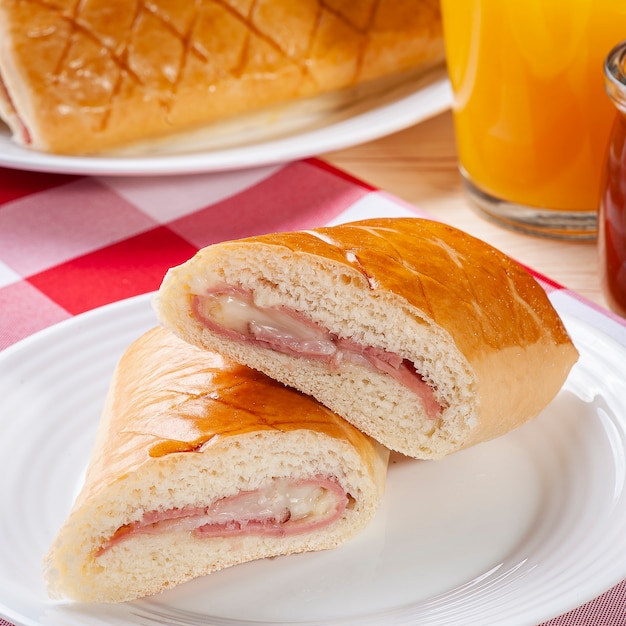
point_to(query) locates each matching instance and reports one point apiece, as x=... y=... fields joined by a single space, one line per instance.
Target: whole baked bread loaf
x=200 y=464
x=423 y=337
x=81 y=77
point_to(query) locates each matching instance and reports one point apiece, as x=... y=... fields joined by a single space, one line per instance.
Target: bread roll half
x=83 y=77
x=200 y=464
x=423 y=337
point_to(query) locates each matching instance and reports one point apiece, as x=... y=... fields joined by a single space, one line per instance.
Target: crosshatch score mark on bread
x=82 y=77
x=421 y=336
x=200 y=464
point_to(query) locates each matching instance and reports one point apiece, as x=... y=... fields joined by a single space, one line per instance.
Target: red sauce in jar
x=612 y=221
x=612 y=214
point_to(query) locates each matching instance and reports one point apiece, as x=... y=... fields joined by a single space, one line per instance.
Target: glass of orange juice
x=532 y=119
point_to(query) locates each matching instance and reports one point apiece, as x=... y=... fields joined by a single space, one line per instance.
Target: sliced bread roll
x=200 y=464
x=423 y=337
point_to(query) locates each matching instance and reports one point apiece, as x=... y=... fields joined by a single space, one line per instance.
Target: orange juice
x=532 y=119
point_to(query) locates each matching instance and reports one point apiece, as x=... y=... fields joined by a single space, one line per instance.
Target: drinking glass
x=531 y=116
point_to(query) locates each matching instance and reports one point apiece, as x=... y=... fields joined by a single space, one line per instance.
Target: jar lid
x=615 y=75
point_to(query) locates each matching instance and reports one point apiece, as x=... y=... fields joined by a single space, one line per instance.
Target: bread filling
x=282 y=507
x=233 y=313
x=10 y=112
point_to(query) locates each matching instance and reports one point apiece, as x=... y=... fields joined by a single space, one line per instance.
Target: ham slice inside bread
x=233 y=313
x=281 y=507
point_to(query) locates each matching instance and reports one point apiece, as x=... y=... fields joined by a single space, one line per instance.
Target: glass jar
x=612 y=212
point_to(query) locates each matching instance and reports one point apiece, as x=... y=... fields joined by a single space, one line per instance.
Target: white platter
x=298 y=130
x=511 y=532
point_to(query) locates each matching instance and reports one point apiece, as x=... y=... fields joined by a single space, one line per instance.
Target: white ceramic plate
x=282 y=134
x=511 y=532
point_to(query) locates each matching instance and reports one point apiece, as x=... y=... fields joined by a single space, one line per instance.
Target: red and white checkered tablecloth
x=69 y=244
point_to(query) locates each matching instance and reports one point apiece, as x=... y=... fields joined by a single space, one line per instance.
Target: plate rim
x=432 y=86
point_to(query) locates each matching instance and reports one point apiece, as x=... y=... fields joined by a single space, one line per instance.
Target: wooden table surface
x=419 y=165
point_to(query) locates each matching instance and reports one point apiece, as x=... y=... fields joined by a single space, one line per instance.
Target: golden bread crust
x=443 y=272
x=84 y=77
x=188 y=398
